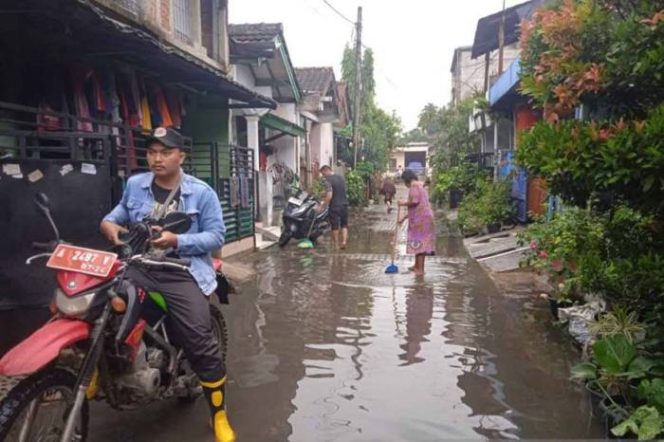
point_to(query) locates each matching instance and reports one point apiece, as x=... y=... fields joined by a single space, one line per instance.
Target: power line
x=338 y=12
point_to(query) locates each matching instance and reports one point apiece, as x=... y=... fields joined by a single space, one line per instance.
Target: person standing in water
x=337 y=201
x=421 y=230
x=388 y=190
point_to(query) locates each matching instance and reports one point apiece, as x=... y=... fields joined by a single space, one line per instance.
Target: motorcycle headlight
x=73 y=306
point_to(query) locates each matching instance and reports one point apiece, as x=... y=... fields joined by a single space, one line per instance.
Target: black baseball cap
x=167 y=136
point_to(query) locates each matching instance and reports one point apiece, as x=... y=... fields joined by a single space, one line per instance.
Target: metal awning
x=505 y=89
x=282 y=125
x=486 y=34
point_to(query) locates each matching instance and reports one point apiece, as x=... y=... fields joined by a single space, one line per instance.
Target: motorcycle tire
x=219 y=329
x=284 y=238
x=15 y=403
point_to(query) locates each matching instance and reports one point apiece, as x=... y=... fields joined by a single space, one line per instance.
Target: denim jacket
x=197 y=200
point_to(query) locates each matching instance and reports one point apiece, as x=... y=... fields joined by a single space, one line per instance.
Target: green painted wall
x=208 y=121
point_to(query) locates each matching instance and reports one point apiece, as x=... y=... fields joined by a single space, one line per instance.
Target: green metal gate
x=229 y=171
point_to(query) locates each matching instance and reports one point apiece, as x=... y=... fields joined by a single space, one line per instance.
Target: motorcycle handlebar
x=45 y=246
x=162 y=262
x=179 y=261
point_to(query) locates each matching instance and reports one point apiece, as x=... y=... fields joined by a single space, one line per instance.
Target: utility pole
x=487 y=65
x=501 y=41
x=357 y=99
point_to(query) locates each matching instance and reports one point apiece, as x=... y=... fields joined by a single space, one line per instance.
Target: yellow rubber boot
x=215 y=395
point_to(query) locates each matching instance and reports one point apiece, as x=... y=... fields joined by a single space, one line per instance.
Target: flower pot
x=611 y=416
x=456 y=195
x=493 y=228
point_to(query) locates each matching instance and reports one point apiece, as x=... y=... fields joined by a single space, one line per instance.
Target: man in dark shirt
x=335 y=198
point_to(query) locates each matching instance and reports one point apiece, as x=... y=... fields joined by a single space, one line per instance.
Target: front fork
x=86 y=373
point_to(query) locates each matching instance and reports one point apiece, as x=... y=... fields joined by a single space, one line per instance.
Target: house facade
x=322 y=110
x=414 y=156
x=81 y=86
x=510 y=112
x=468 y=73
x=261 y=62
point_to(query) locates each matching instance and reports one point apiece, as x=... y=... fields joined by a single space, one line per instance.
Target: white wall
x=401 y=159
x=468 y=77
x=288 y=111
x=314 y=140
x=242 y=74
x=288 y=147
x=327 y=144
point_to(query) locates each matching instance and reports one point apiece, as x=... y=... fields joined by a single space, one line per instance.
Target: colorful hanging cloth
x=166 y=120
x=135 y=100
x=78 y=76
x=146 y=122
x=173 y=99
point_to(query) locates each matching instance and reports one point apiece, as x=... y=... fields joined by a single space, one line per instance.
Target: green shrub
x=317 y=188
x=355 y=189
x=618 y=255
x=463 y=177
x=487 y=204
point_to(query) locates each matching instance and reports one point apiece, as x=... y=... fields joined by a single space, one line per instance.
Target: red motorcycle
x=97 y=345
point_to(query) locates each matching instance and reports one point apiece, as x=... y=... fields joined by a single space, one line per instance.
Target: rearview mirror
x=44 y=205
x=176 y=222
x=42 y=201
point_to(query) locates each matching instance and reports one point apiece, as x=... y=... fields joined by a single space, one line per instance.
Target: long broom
x=393 y=268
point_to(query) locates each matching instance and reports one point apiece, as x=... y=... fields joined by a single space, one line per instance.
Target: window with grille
x=183 y=20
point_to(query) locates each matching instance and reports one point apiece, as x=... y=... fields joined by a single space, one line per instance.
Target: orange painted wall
x=525 y=118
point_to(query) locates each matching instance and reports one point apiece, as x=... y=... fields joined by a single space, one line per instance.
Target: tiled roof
x=255 y=32
x=316 y=79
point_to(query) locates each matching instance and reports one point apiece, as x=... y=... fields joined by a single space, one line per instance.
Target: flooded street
x=325 y=346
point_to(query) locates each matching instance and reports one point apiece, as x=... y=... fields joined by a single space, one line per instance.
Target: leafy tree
x=430 y=119
x=452 y=140
x=607 y=56
x=380 y=130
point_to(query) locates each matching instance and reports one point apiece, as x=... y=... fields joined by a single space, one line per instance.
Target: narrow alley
x=326 y=346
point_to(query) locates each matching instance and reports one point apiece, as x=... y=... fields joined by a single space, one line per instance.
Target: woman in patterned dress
x=421 y=231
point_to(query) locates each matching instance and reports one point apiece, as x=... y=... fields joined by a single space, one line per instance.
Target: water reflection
x=419 y=311
x=326 y=346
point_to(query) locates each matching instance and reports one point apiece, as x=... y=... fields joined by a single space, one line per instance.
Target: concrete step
x=262 y=243
x=269 y=233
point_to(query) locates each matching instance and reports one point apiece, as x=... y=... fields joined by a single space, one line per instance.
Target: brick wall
x=165 y=15
x=157 y=17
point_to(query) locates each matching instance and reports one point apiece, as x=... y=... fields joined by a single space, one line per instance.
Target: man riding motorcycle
x=153 y=195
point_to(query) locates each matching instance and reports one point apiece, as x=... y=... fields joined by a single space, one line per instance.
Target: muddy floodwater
x=324 y=346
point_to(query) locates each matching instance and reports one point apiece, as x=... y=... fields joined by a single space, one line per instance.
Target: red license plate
x=82 y=260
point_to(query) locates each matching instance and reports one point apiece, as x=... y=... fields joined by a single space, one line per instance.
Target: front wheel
x=284 y=238
x=37 y=408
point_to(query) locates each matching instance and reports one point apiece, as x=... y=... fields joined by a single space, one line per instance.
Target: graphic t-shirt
x=160 y=196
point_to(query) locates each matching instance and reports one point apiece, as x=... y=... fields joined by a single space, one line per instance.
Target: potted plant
x=496 y=207
x=620 y=373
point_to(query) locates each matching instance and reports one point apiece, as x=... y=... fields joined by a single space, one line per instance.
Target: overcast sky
x=413 y=41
